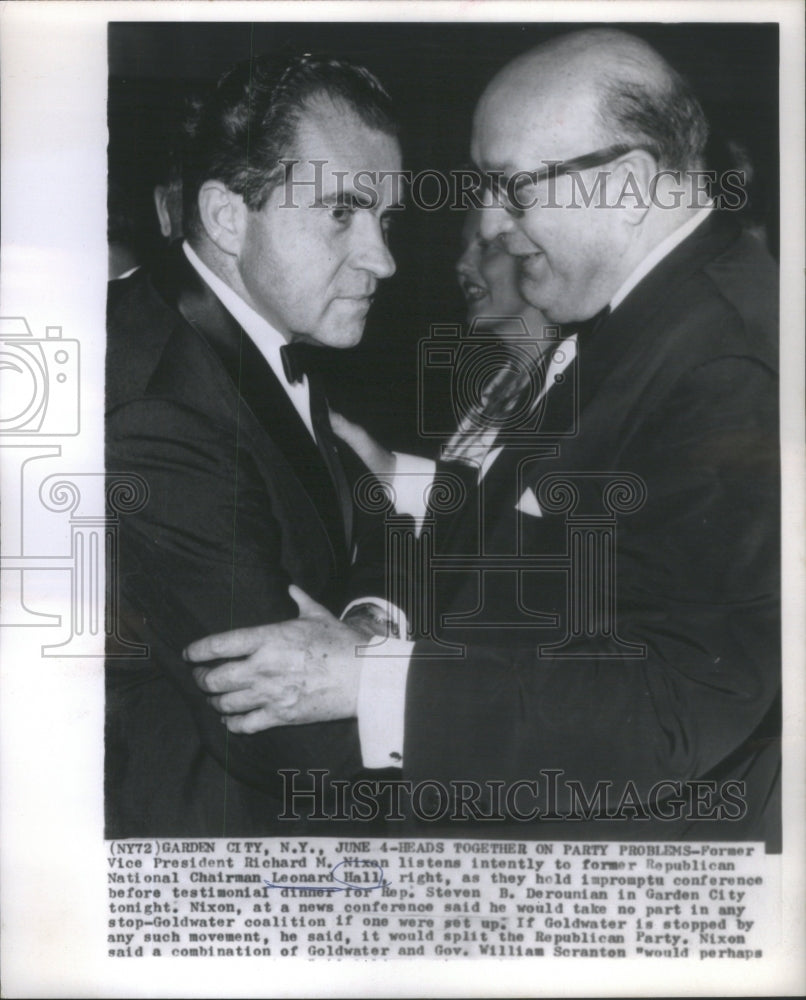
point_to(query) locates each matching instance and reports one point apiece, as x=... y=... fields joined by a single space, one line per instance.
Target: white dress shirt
x=383 y=681
x=267 y=340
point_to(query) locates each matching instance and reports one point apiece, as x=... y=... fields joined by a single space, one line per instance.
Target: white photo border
x=53 y=273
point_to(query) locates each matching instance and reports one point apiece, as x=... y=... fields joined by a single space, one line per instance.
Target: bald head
x=596 y=88
x=584 y=56
x=623 y=124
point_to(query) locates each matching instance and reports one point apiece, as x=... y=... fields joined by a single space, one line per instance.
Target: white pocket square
x=528 y=503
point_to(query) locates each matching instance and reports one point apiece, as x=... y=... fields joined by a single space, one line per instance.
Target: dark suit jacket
x=240 y=504
x=678 y=387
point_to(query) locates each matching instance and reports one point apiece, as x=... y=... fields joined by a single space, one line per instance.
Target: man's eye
x=514 y=209
x=521 y=197
x=341 y=213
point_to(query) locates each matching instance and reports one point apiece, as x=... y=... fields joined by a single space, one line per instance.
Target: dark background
x=435 y=73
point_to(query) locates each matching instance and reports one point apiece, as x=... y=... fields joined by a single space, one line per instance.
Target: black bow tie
x=295 y=358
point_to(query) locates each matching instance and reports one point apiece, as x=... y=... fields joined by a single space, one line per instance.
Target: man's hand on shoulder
x=291 y=673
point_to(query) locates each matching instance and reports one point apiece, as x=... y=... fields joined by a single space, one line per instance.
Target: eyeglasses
x=506 y=191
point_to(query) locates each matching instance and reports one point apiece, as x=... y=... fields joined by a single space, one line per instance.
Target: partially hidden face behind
x=311 y=258
x=487 y=274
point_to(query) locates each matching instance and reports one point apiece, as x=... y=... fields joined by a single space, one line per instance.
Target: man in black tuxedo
x=661 y=700
x=246 y=492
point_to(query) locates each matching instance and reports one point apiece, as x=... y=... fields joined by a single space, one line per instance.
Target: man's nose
x=373 y=254
x=495 y=221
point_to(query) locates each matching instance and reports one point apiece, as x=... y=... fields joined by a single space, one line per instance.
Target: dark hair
x=665 y=117
x=249 y=122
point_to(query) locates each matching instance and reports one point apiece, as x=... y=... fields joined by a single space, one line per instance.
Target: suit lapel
x=623 y=346
x=256 y=384
x=618 y=359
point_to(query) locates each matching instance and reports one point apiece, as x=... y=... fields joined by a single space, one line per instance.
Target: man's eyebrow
x=354 y=200
x=346 y=199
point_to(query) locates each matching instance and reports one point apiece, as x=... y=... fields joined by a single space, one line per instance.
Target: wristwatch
x=371 y=620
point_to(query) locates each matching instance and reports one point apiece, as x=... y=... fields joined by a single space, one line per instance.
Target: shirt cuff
x=382 y=703
x=411 y=480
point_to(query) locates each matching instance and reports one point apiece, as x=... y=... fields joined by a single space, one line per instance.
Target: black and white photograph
x=618 y=649
x=412 y=479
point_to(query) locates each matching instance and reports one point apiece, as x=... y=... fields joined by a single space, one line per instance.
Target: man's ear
x=223 y=215
x=161 y=205
x=631 y=184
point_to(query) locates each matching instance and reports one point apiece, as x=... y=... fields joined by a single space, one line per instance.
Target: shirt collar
x=663 y=249
x=267 y=339
x=264 y=336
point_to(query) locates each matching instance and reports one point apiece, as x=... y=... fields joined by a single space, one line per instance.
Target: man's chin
x=553 y=303
x=340 y=338
x=536 y=294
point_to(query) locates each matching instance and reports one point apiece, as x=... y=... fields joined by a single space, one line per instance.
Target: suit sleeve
x=698 y=582
x=205 y=555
